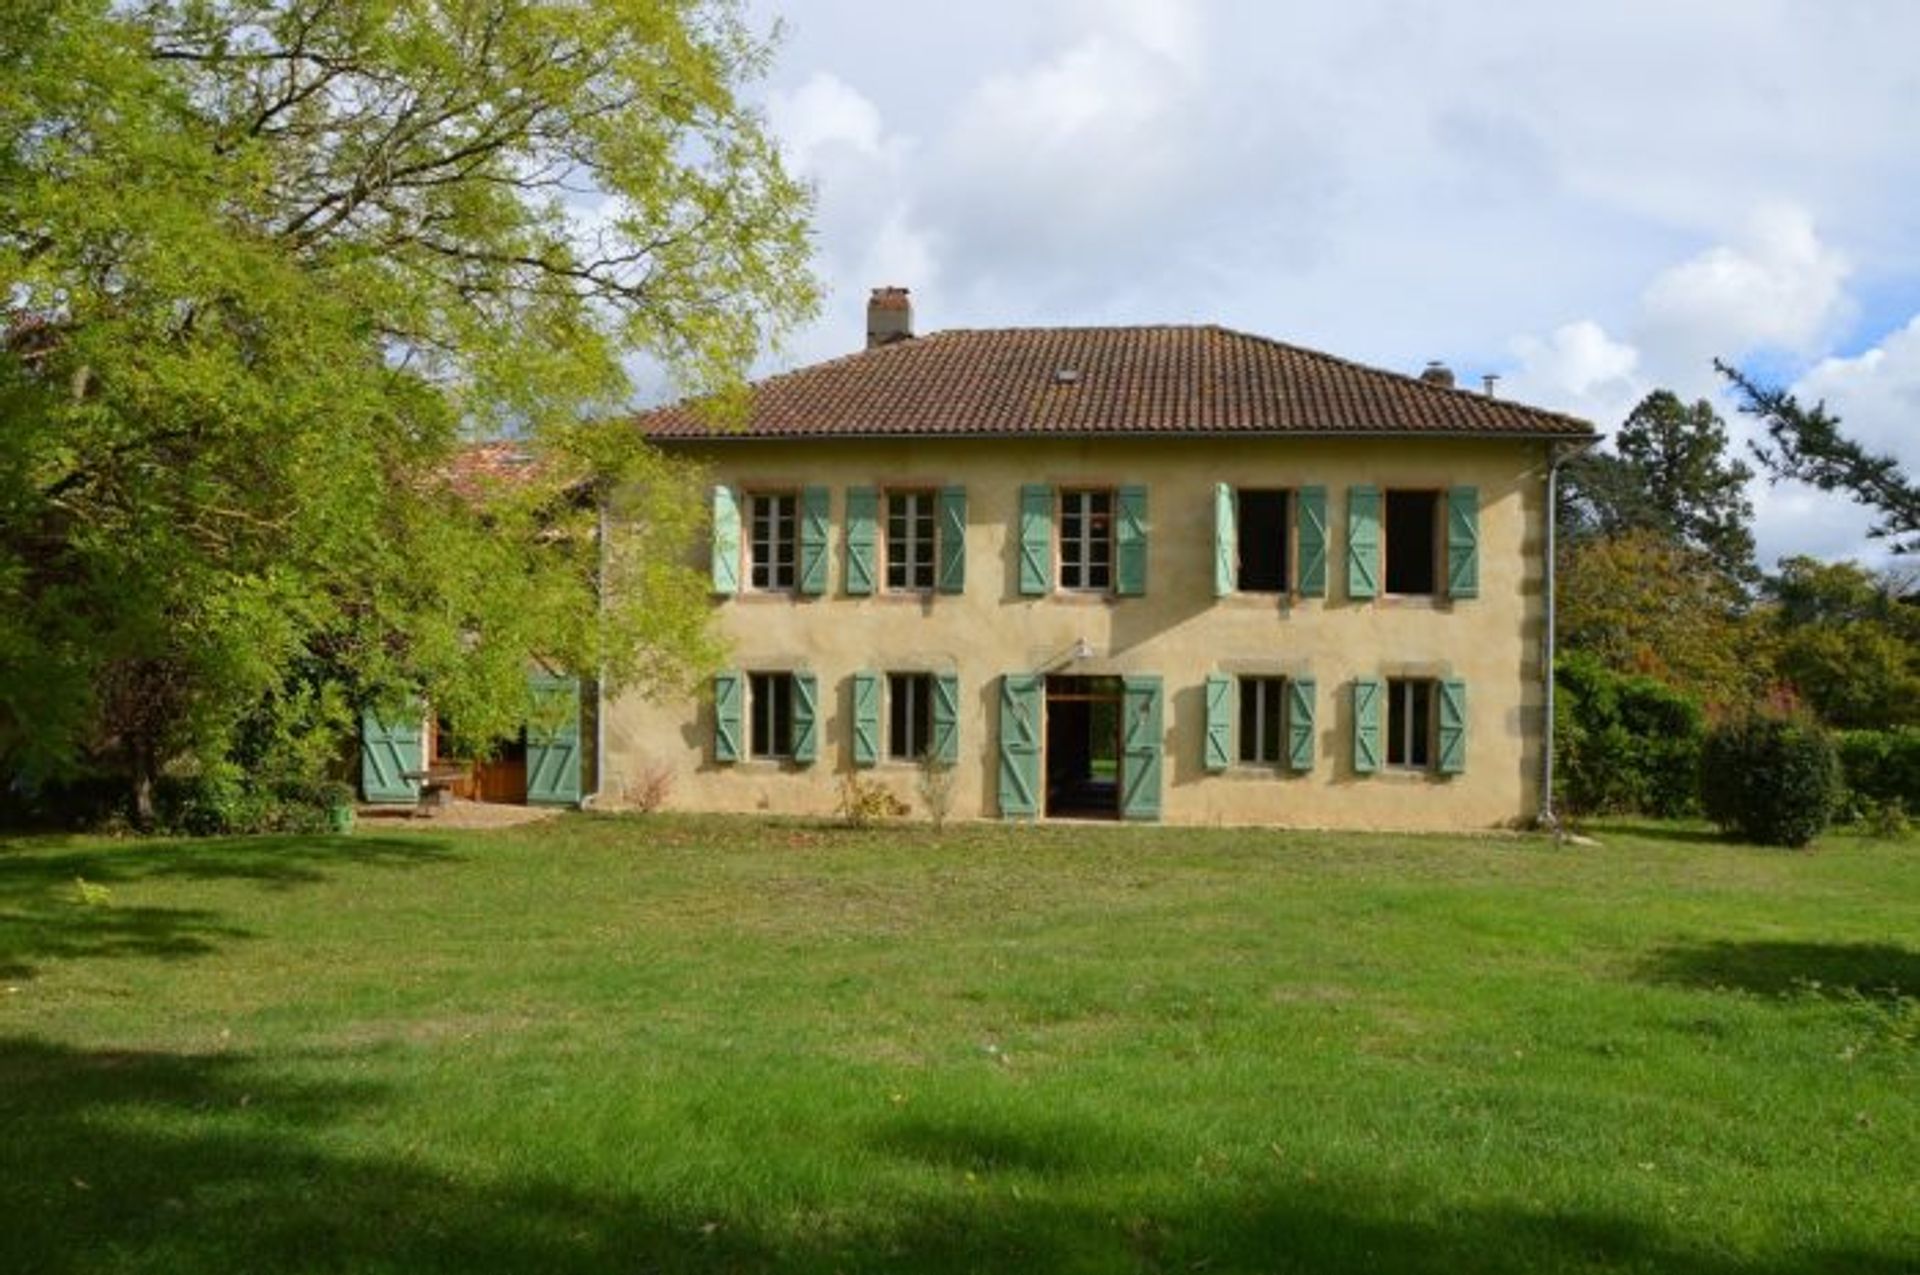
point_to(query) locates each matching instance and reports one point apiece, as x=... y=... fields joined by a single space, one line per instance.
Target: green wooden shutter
x=1217 y=752
x=866 y=719
x=388 y=750
x=728 y=695
x=1141 y=746
x=946 y=718
x=806 y=712
x=952 y=520
x=1301 y=693
x=1226 y=541
x=553 y=740
x=815 y=512
x=1313 y=542
x=1451 y=735
x=1363 y=541
x=1020 y=709
x=1463 y=542
x=726 y=540
x=1036 y=539
x=1368 y=692
x=1130 y=541
x=863 y=512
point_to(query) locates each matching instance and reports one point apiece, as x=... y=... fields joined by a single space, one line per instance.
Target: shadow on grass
x=46 y=912
x=149 y=1161
x=1873 y=971
x=1680 y=834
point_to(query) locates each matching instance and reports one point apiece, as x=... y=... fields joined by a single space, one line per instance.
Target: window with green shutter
x=389 y=749
x=1363 y=541
x=863 y=513
x=1450 y=736
x=1225 y=541
x=1367 y=694
x=1036 y=539
x=815 y=513
x=806 y=702
x=1141 y=744
x=953 y=540
x=1217 y=748
x=866 y=718
x=1301 y=692
x=1130 y=540
x=726 y=540
x=1019 y=751
x=1463 y=542
x=1313 y=542
x=728 y=706
x=946 y=718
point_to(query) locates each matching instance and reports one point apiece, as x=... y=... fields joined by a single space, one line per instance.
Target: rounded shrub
x=1623 y=744
x=1882 y=766
x=1768 y=779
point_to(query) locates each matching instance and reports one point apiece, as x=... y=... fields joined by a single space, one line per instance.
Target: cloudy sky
x=1589 y=200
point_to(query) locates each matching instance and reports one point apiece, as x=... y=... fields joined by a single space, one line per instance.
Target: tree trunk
x=143 y=815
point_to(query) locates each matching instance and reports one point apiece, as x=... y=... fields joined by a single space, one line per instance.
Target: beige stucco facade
x=1178 y=630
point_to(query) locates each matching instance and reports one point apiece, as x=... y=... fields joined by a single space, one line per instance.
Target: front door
x=1084 y=746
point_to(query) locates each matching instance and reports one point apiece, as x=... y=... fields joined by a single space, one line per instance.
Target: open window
x=770 y=702
x=909 y=715
x=1412 y=522
x=1410 y=723
x=1261 y=526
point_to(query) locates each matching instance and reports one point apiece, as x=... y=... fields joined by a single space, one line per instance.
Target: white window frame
x=769 y=514
x=781 y=684
x=1076 y=555
x=919 y=554
x=1408 y=688
x=1266 y=752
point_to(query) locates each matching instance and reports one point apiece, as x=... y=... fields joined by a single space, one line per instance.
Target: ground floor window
x=1410 y=723
x=1262 y=719
x=909 y=715
x=770 y=701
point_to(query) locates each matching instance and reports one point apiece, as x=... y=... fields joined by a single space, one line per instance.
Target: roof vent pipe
x=1438 y=373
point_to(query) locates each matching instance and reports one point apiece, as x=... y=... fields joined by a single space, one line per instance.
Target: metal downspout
x=1555 y=457
x=589 y=801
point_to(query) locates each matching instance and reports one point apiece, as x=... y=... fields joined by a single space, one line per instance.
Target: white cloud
x=1779 y=288
x=1876 y=394
x=1579 y=369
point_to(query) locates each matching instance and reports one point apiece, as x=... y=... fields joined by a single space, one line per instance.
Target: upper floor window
x=773 y=539
x=1086 y=540
x=1412 y=524
x=910 y=543
x=1261 y=525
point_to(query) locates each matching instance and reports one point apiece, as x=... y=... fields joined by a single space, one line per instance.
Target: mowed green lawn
x=716 y=1045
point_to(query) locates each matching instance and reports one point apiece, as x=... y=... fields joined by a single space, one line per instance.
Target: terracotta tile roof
x=479 y=467
x=1146 y=380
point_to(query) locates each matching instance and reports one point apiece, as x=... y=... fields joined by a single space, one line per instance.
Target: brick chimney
x=889 y=317
x=1438 y=373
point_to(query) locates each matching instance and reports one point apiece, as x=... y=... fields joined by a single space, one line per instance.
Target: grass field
x=715 y=1045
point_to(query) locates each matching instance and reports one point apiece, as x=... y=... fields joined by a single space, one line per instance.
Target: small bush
x=1772 y=780
x=864 y=800
x=1623 y=744
x=651 y=785
x=1881 y=766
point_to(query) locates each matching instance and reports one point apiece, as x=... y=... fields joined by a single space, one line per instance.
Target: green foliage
x=1807 y=446
x=1624 y=744
x=264 y=264
x=1769 y=778
x=1640 y=604
x=1670 y=475
x=1881 y=766
x=1847 y=644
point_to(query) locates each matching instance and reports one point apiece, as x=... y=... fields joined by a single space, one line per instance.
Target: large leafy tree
x=265 y=264
x=1848 y=643
x=1807 y=445
x=1670 y=473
